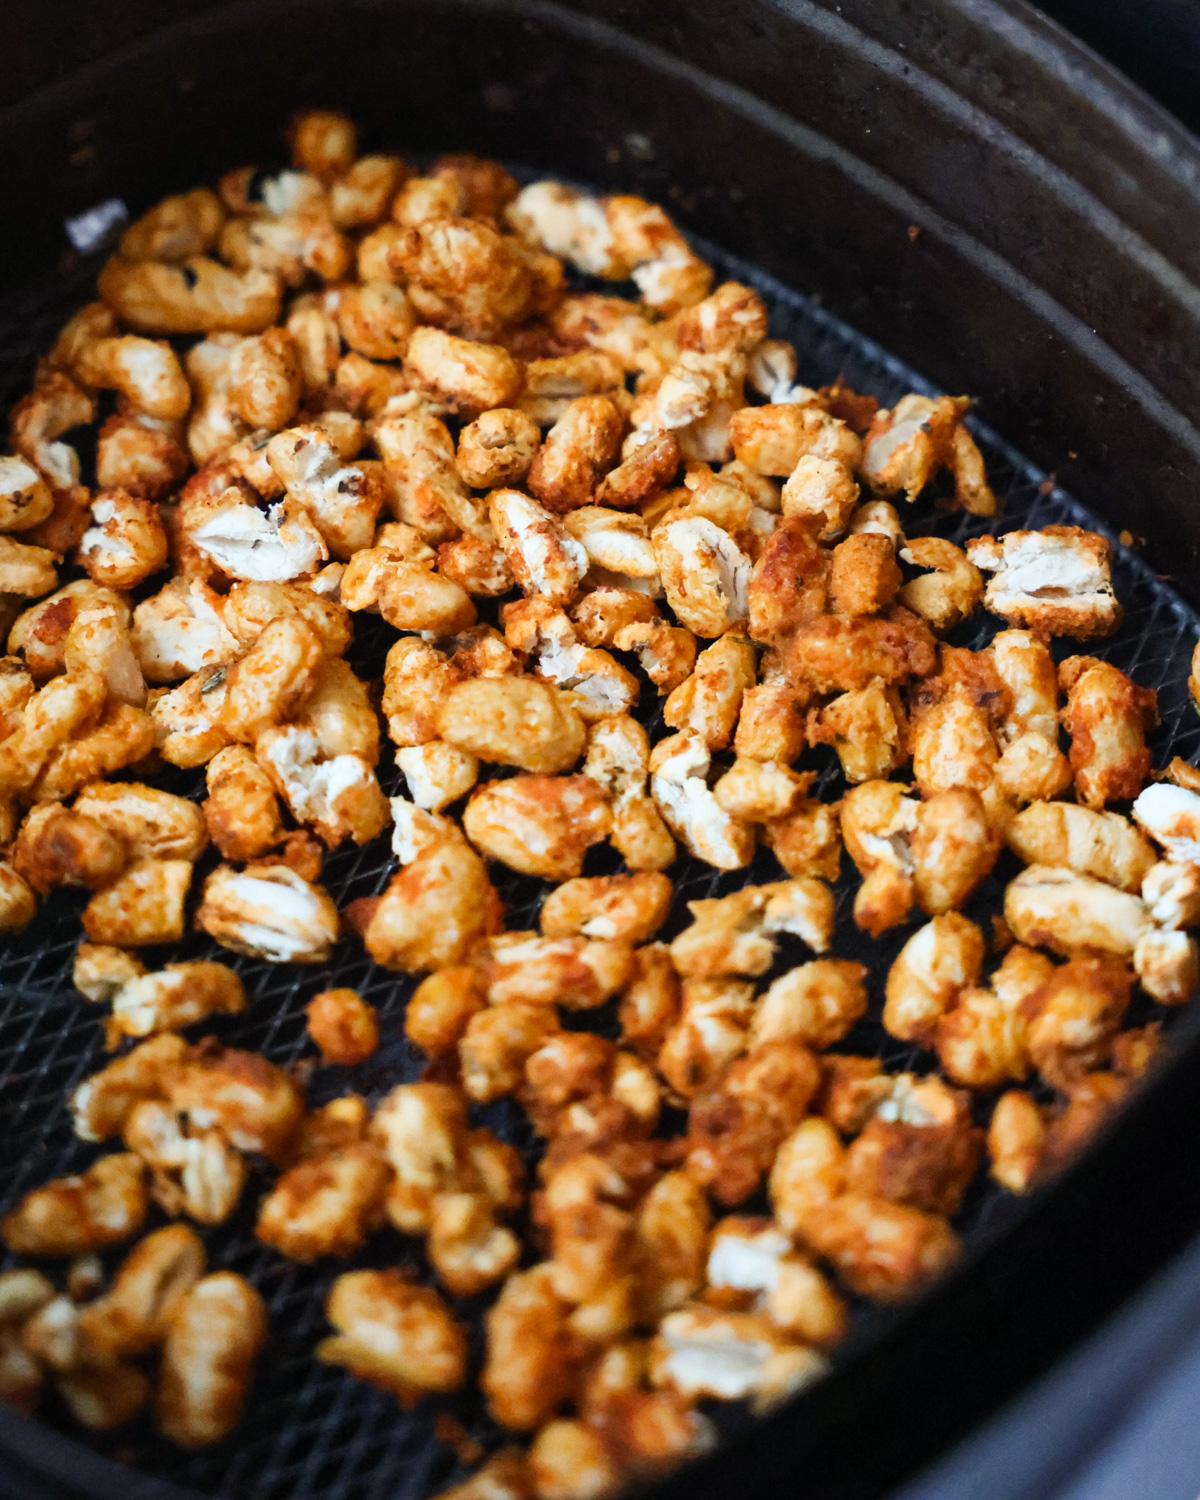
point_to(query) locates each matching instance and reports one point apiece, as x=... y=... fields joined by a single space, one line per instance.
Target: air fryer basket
x=553 y=89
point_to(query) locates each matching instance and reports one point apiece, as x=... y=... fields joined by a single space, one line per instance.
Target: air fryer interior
x=886 y=178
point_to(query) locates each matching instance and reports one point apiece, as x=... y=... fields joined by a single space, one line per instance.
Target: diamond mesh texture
x=311 y=1432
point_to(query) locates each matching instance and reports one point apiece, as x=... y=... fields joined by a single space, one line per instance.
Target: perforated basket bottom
x=314 y=1432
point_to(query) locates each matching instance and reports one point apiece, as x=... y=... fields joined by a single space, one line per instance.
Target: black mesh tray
x=311 y=1432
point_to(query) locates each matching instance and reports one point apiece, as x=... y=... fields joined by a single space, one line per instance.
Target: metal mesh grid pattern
x=311 y=1432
